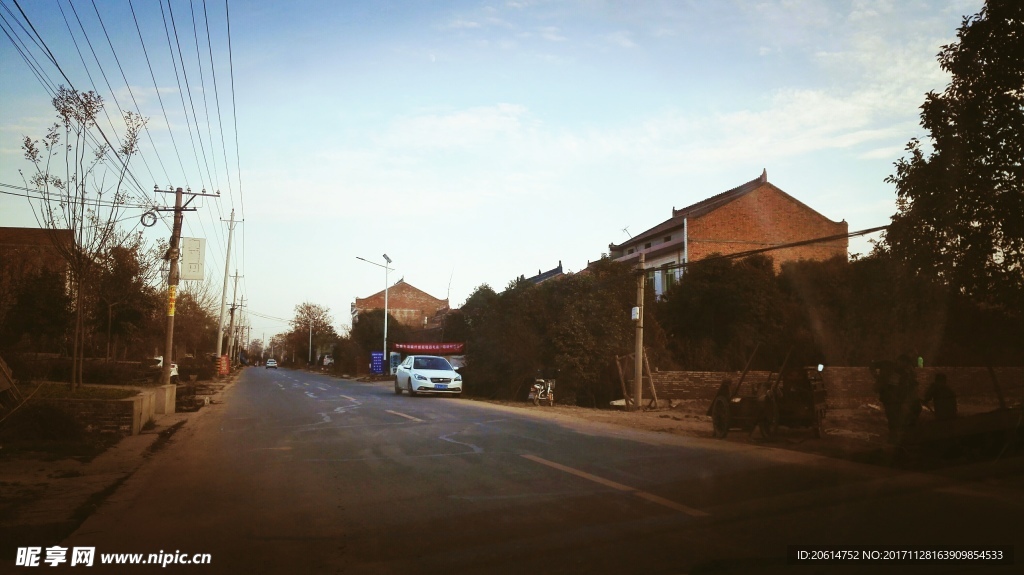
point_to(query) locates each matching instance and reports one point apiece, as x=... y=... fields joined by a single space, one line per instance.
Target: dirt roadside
x=857 y=434
x=43 y=499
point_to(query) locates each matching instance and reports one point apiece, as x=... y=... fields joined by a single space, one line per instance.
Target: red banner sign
x=435 y=348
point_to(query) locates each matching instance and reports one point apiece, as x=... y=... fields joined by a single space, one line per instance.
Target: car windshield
x=438 y=363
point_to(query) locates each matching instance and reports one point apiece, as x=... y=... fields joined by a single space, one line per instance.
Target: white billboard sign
x=193 y=258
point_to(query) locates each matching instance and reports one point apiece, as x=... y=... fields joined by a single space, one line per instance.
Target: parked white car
x=427 y=374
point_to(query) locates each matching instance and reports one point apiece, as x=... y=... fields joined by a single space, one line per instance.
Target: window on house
x=629 y=251
x=647 y=245
x=668 y=277
x=668 y=239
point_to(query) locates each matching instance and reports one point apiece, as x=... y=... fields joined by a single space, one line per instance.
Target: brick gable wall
x=762 y=218
x=407 y=304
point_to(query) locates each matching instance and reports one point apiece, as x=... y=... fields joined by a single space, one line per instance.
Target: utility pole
x=231 y=327
x=173 y=275
x=224 y=290
x=638 y=364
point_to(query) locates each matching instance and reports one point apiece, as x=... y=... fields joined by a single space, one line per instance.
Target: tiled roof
x=542 y=276
x=697 y=210
x=714 y=202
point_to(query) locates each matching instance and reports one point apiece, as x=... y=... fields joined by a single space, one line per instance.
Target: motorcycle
x=542 y=390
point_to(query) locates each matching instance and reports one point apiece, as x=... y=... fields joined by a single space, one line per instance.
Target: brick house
x=410 y=306
x=752 y=216
x=25 y=252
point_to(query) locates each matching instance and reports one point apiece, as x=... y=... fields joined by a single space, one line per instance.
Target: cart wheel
x=769 y=418
x=536 y=400
x=720 y=417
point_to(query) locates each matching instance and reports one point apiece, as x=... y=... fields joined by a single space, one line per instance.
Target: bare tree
x=81 y=188
x=312 y=324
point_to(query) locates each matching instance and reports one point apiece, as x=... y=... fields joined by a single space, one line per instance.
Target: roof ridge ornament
x=764 y=176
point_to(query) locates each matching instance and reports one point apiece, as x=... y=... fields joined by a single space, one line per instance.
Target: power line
x=234 y=114
x=270 y=317
x=36 y=194
x=110 y=147
x=216 y=96
x=206 y=106
x=78 y=49
x=156 y=88
x=188 y=89
x=24 y=50
x=129 y=87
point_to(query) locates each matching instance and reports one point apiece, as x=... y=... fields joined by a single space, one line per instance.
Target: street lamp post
x=386 y=270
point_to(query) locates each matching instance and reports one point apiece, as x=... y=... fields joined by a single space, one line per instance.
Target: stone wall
x=850 y=387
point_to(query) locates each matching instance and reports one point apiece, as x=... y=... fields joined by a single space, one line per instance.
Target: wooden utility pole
x=638 y=358
x=173 y=274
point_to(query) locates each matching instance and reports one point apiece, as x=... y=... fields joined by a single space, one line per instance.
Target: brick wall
x=851 y=387
x=407 y=304
x=762 y=218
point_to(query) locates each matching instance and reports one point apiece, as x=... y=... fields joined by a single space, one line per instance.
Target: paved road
x=300 y=473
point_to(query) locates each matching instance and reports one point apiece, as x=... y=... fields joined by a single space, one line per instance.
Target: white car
x=271 y=364
x=427 y=374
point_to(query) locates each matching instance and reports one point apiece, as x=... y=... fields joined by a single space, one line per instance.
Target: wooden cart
x=794 y=398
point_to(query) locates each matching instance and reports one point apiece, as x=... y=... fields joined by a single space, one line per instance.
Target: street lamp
x=386 y=270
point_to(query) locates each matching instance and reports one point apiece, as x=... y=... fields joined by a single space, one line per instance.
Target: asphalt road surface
x=301 y=473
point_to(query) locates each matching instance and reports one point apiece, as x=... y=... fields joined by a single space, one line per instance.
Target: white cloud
x=470 y=127
x=552 y=33
x=463 y=24
x=621 y=39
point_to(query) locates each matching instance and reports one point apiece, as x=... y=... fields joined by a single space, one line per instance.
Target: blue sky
x=474 y=142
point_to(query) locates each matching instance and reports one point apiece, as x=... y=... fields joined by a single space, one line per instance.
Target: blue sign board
x=377 y=362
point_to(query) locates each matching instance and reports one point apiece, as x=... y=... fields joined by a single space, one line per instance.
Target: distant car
x=427 y=374
x=271 y=363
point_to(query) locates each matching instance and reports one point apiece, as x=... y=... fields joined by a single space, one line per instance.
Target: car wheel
x=398 y=390
x=412 y=392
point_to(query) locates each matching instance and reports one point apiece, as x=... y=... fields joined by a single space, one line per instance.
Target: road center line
x=609 y=483
x=403 y=415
